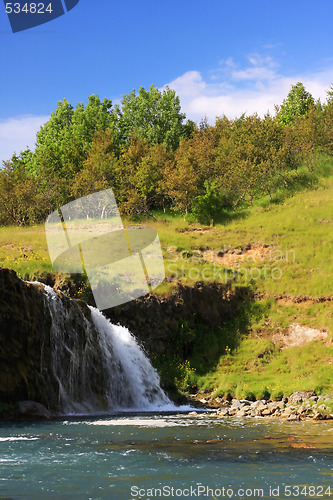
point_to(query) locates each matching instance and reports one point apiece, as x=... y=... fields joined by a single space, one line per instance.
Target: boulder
x=33 y=411
x=223 y=412
x=302 y=409
x=259 y=405
x=266 y=412
x=289 y=410
x=277 y=405
x=325 y=398
x=243 y=412
x=299 y=396
x=255 y=412
x=293 y=417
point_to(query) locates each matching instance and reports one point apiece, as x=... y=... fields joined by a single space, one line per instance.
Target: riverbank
x=301 y=405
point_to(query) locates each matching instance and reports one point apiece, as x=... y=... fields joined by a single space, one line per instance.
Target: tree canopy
x=296 y=104
x=146 y=151
x=153 y=115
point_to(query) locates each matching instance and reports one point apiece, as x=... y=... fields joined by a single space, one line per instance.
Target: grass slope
x=298 y=233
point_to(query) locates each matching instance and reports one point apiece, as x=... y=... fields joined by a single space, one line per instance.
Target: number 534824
x=28 y=8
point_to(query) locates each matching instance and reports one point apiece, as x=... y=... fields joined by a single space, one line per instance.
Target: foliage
x=21 y=203
x=153 y=115
x=97 y=172
x=329 y=100
x=297 y=103
x=63 y=142
x=154 y=160
x=207 y=207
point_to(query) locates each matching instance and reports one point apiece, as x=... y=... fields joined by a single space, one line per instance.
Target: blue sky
x=219 y=56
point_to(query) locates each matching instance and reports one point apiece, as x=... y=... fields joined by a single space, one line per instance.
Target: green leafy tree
x=150 y=174
x=98 y=170
x=181 y=179
x=125 y=174
x=326 y=124
x=154 y=115
x=297 y=103
x=302 y=138
x=329 y=99
x=62 y=144
x=21 y=203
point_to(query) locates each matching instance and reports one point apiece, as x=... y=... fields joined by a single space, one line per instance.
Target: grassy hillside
x=282 y=250
x=292 y=274
x=299 y=233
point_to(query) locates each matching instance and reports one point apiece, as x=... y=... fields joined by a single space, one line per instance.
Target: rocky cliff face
x=26 y=343
x=23 y=318
x=155 y=320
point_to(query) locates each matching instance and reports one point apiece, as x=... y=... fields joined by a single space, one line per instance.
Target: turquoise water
x=125 y=457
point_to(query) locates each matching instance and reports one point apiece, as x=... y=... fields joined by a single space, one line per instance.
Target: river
x=147 y=456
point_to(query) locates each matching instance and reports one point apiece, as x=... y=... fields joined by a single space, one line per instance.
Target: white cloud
x=190 y=84
x=260 y=69
x=233 y=90
x=18 y=133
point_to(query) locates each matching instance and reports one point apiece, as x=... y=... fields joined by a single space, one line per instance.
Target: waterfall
x=98 y=366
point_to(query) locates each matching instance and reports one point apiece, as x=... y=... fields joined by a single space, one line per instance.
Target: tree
x=329 y=99
x=62 y=144
x=98 y=169
x=150 y=175
x=326 y=123
x=181 y=179
x=21 y=203
x=125 y=175
x=298 y=102
x=153 y=115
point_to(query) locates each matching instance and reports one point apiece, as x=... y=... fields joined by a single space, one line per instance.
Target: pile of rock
x=299 y=406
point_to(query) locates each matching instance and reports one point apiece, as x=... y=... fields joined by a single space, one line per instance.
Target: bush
x=208 y=206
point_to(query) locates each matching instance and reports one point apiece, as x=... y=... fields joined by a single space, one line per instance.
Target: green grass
x=249 y=365
x=259 y=369
x=24 y=249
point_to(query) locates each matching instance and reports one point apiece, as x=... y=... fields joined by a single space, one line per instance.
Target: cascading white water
x=136 y=376
x=99 y=366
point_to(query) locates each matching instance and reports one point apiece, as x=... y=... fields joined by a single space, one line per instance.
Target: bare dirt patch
x=297 y=335
x=232 y=258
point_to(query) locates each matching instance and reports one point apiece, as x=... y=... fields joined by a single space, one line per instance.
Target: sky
x=220 y=57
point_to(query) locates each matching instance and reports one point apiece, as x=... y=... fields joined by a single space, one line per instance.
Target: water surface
x=128 y=456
